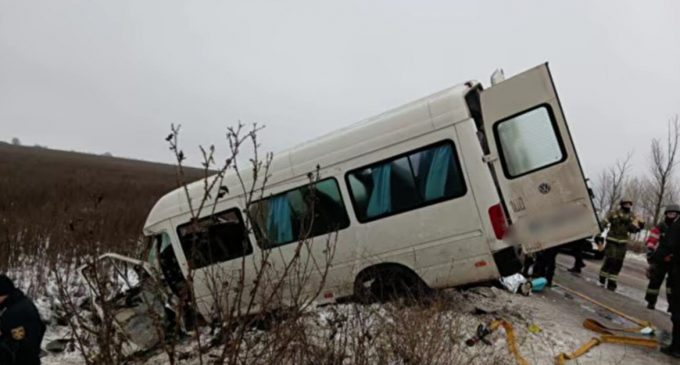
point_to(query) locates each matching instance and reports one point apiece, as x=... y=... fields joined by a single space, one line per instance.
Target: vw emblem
x=544 y=188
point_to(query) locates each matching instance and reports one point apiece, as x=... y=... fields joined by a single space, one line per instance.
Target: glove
x=635 y=225
x=650 y=253
x=599 y=240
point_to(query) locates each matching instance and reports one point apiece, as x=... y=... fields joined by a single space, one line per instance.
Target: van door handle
x=489 y=158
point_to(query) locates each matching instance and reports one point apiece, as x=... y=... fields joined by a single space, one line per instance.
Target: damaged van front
x=128 y=292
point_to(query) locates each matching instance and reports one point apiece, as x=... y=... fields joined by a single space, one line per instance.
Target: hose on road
x=596 y=341
x=637 y=336
x=608 y=332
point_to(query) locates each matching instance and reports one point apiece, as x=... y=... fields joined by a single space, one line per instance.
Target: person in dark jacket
x=659 y=257
x=21 y=328
x=673 y=235
x=545 y=265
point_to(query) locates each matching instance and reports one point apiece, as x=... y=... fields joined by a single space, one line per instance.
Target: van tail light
x=497 y=217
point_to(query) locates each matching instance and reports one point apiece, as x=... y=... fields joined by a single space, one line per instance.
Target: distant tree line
x=17 y=142
x=650 y=191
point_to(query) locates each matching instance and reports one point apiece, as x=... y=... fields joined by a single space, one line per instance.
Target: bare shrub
x=663 y=165
x=285 y=286
x=262 y=312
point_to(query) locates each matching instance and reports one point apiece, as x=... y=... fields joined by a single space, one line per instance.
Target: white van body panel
x=395 y=126
x=448 y=243
x=536 y=164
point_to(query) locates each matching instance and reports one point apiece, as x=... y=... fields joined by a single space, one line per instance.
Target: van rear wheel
x=382 y=284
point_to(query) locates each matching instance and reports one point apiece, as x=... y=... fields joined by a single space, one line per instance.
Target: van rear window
x=529 y=142
x=409 y=181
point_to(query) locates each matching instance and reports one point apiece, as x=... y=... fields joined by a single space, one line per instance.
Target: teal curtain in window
x=435 y=185
x=380 y=201
x=279 y=220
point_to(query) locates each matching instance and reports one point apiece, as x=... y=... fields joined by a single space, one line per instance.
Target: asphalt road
x=629 y=297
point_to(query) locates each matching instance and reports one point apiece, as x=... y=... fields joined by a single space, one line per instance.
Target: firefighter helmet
x=672 y=208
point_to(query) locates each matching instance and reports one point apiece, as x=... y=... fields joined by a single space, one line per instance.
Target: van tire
x=387 y=282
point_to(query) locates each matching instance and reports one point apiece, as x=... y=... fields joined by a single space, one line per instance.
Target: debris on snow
x=59 y=345
x=437 y=332
x=516 y=282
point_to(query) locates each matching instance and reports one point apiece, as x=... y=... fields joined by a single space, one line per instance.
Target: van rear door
x=535 y=162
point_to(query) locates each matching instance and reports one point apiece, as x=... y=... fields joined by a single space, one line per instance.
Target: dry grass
x=57 y=205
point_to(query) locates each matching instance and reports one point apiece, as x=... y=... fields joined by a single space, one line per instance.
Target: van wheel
x=383 y=284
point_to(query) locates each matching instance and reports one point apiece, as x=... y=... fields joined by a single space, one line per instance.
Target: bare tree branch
x=612 y=181
x=663 y=164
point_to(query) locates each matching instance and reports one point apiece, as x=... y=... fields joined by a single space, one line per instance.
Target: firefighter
x=622 y=223
x=21 y=328
x=659 y=254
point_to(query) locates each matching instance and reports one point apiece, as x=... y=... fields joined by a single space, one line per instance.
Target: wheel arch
x=370 y=270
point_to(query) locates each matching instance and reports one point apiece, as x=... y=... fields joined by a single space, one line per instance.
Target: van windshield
x=164 y=254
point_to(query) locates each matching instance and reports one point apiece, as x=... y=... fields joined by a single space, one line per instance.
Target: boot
x=674 y=348
x=671 y=351
x=611 y=286
x=575 y=270
x=651 y=305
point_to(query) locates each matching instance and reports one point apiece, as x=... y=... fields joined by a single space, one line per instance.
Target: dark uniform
x=673 y=235
x=545 y=264
x=659 y=264
x=21 y=328
x=621 y=223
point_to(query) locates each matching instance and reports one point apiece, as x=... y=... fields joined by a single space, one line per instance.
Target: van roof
x=415 y=118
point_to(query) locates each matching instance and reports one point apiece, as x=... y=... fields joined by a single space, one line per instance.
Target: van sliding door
x=535 y=161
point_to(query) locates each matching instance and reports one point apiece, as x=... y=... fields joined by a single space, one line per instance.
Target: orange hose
x=510 y=339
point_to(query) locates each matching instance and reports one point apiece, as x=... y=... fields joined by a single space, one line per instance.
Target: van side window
x=305 y=212
x=218 y=238
x=410 y=181
x=529 y=142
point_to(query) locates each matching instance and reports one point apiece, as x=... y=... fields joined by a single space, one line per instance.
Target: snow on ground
x=558 y=321
x=640 y=257
x=545 y=325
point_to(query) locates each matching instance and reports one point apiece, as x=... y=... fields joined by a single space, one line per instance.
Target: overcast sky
x=110 y=76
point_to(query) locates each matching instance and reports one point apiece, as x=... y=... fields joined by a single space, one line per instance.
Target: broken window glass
x=218 y=238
